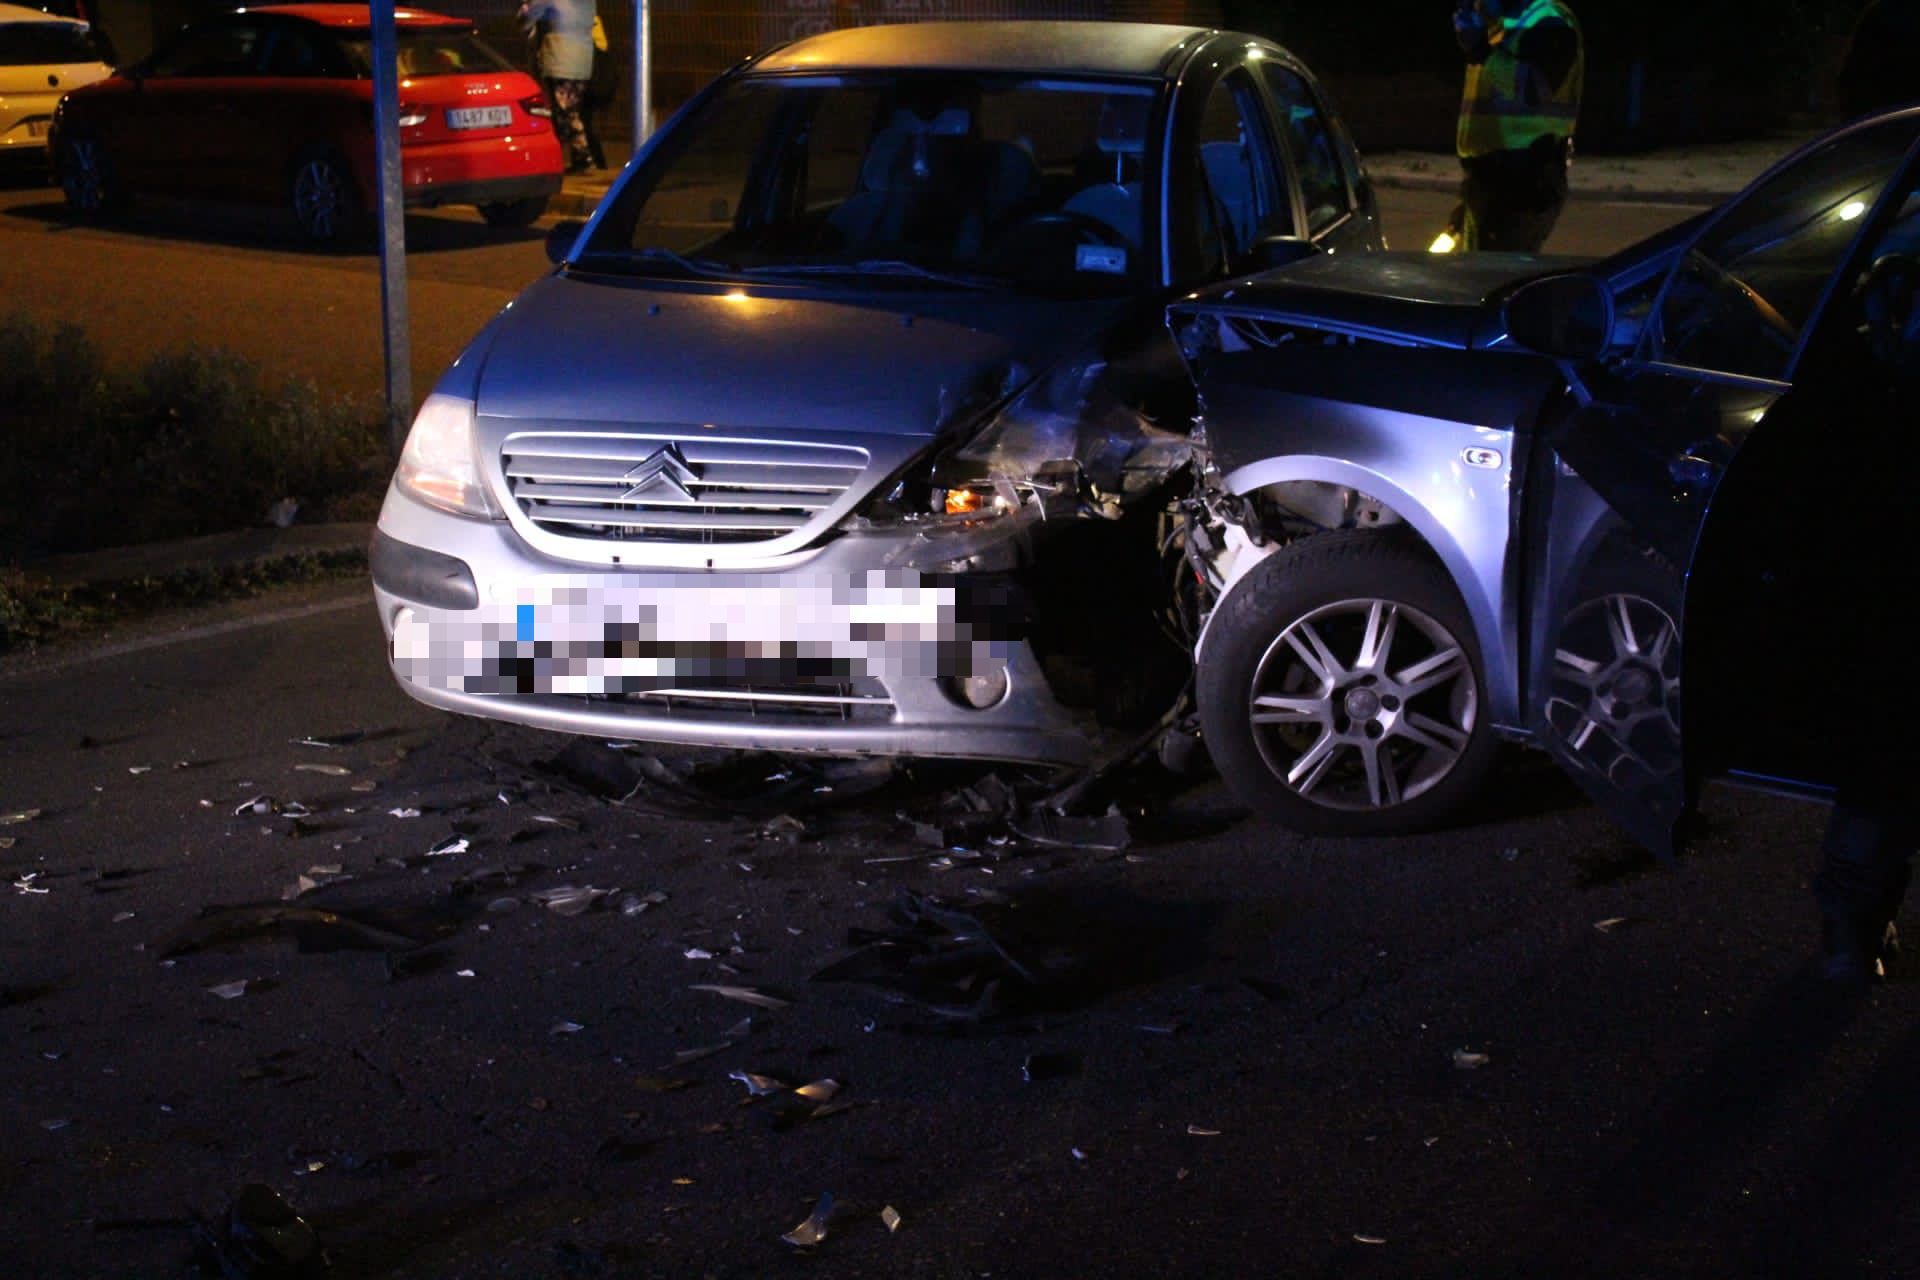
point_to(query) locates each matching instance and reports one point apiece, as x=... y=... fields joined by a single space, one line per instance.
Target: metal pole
x=642 y=72
x=393 y=228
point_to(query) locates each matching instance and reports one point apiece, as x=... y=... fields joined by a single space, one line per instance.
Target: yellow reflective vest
x=1508 y=105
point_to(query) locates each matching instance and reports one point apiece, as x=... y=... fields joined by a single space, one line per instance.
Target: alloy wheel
x=320 y=198
x=1363 y=704
x=81 y=177
x=1615 y=700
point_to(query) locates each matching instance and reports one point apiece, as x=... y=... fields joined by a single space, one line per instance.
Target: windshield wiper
x=878 y=267
x=653 y=253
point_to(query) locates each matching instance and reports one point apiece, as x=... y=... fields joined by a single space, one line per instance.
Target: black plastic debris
x=260 y=1237
x=814 y=1230
x=1109 y=832
x=311 y=929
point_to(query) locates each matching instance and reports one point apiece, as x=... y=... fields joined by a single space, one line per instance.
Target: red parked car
x=274 y=105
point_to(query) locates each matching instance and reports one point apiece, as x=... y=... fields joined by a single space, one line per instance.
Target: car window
x=214 y=49
x=1034 y=185
x=299 y=53
x=1313 y=148
x=1238 y=198
x=46 y=44
x=427 y=51
x=1741 y=294
x=1878 y=312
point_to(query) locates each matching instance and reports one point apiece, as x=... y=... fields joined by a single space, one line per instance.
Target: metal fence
x=695 y=40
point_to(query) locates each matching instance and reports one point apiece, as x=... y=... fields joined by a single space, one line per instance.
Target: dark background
x=1659 y=72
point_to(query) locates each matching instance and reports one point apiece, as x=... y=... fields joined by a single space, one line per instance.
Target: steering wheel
x=1887 y=295
x=1774 y=326
x=1091 y=230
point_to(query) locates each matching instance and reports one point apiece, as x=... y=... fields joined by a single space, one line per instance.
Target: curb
x=214 y=552
x=1450 y=186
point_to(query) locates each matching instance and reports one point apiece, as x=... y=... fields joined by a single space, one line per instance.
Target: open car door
x=1686 y=519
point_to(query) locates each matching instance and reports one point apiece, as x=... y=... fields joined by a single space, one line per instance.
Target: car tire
x=514 y=213
x=1351 y=743
x=88 y=177
x=323 y=199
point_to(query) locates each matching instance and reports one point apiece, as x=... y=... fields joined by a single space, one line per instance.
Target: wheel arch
x=1475 y=566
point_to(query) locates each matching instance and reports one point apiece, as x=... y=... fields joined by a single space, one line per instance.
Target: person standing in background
x=1525 y=72
x=601 y=87
x=562 y=35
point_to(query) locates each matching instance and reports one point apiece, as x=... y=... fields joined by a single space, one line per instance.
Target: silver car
x=850 y=422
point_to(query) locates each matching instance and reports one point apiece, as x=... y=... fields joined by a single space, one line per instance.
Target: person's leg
x=1513 y=199
x=1865 y=867
x=567 y=123
x=589 y=108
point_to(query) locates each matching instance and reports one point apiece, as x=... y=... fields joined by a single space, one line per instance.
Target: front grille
x=847 y=702
x=676 y=488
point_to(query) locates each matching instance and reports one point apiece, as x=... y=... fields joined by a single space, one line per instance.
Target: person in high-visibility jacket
x=1526 y=68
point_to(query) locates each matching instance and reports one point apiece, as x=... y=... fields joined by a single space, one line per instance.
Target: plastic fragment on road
x=25 y=884
x=814 y=1229
x=818 y=1091
x=565 y=1028
x=7 y=842
x=121 y=917
x=745 y=995
x=1374 y=1240
x=683 y=1056
x=330 y=741
x=639 y=904
x=1200 y=1131
x=463 y=973
x=18 y=816
x=759 y=1086
x=137 y=769
x=452 y=844
x=1108 y=833
x=261 y=1238
x=258 y=806
x=1610 y=923
x=697 y=953
x=569 y=899
x=56 y=1124
x=1468 y=1060
x=328 y=770
x=229 y=990
x=891 y=1217
x=404 y=812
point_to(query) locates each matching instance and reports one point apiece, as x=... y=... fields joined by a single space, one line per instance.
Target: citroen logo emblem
x=664 y=472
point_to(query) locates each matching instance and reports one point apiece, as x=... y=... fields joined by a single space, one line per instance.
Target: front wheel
x=88 y=178
x=322 y=197
x=514 y=213
x=1341 y=690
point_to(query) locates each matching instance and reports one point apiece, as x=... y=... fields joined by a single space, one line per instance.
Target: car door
x=1226 y=185
x=175 y=134
x=1336 y=204
x=272 y=115
x=1619 y=493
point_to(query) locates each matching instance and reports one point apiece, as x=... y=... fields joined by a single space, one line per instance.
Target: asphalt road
x=170 y=273
x=1250 y=1043
x=1516 y=1048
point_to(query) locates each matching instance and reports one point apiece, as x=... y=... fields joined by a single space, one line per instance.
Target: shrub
x=193 y=442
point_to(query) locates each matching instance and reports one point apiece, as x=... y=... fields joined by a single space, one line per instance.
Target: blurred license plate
x=37 y=128
x=479 y=117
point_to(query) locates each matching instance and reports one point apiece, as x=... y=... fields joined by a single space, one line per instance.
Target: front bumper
x=855 y=648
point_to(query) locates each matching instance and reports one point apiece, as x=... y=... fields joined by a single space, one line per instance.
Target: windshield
x=955 y=180
x=429 y=51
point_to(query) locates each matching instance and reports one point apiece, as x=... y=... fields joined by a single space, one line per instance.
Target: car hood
x=1428 y=299
x=619 y=351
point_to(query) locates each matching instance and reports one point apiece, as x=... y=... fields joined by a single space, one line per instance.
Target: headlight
x=439 y=465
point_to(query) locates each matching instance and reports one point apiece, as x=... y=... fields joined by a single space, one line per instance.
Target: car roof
x=1091 y=48
x=355 y=15
x=21 y=13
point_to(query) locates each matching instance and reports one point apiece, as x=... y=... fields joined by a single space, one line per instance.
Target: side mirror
x=1274 y=252
x=1568 y=317
x=560 y=239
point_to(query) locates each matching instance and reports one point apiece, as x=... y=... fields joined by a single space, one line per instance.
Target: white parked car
x=42 y=56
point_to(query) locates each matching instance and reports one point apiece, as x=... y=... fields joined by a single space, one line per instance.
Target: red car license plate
x=479 y=117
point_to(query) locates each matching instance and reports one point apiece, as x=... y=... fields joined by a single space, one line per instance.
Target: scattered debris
x=261 y=1238
x=638 y=904
x=814 y=1229
x=25 y=884
x=564 y=1028
x=1360 y=1239
x=569 y=899
x=329 y=770
x=682 y=1057
x=121 y=917
x=332 y=740
x=313 y=929
x=230 y=990
x=7 y=842
x=259 y=806
x=1467 y=1060
x=463 y=973
x=891 y=1217
x=18 y=816
x=452 y=844
x=1110 y=832
x=56 y=1124
x=1610 y=923
x=697 y=953
x=404 y=812
x=1197 y=1131
x=759 y=1086
x=137 y=769
x=745 y=995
